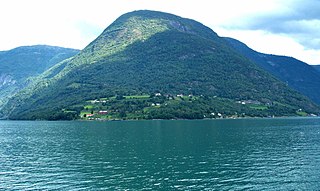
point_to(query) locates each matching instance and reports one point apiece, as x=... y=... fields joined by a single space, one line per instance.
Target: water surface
x=242 y=154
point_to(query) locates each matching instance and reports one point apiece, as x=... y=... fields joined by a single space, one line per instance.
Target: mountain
x=317 y=67
x=148 y=65
x=19 y=64
x=296 y=74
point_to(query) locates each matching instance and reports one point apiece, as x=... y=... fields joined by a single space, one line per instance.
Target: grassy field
x=302 y=113
x=258 y=107
x=137 y=97
x=167 y=107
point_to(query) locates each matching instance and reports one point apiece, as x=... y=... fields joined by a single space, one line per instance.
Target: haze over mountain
x=296 y=74
x=19 y=64
x=145 y=52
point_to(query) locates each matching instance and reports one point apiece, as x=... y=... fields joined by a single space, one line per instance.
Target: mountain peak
x=144 y=52
x=141 y=25
x=174 y=22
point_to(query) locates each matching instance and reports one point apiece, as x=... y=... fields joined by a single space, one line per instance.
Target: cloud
x=75 y=23
x=298 y=19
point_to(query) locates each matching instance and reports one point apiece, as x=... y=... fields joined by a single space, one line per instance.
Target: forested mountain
x=19 y=64
x=296 y=74
x=153 y=53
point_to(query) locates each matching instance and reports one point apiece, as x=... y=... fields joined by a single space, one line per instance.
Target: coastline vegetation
x=158 y=106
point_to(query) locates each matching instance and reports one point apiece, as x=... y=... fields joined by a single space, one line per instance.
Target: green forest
x=196 y=72
x=158 y=106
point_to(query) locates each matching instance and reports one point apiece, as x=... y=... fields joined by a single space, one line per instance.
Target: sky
x=281 y=27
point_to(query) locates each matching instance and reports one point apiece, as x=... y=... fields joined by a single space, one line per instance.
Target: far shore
x=227 y=118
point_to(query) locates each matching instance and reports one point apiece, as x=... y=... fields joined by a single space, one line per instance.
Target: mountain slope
x=298 y=75
x=144 y=52
x=317 y=67
x=18 y=64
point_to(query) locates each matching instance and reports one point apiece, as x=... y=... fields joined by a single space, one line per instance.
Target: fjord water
x=242 y=154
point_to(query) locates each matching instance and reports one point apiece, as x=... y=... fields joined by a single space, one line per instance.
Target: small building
x=94 y=101
x=103 y=112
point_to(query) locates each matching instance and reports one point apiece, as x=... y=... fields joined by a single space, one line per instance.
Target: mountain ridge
x=295 y=73
x=19 y=65
x=145 y=52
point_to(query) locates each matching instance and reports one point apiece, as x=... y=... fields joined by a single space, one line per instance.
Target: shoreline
x=205 y=119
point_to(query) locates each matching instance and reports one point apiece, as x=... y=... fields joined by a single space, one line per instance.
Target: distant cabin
x=103 y=112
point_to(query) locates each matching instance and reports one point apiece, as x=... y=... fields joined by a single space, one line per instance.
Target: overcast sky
x=282 y=27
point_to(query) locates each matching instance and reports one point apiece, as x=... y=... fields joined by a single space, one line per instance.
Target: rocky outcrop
x=6 y=80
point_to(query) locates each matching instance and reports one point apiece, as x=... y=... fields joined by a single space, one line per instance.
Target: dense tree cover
x=18 y=65
x=162 y=107
x=27 y=61
x=296 y=74
x=145 y=52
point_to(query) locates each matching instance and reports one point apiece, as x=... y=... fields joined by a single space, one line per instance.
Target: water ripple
x=160 y=155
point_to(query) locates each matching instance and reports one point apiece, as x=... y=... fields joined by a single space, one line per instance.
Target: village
x=164 y=106
x=103 y=108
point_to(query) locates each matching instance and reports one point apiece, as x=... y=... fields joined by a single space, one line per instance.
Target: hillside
x=296 y=74
x=317 y=67
x=145 y=53
x=19 y=64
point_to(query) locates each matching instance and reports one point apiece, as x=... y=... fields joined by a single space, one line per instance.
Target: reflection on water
x=244 y=154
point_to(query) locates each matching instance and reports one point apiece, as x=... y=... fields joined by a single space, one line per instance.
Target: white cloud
x=269 y=43
x=75 y=23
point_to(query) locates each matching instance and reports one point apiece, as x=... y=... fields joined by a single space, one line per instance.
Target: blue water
x=242 y=154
